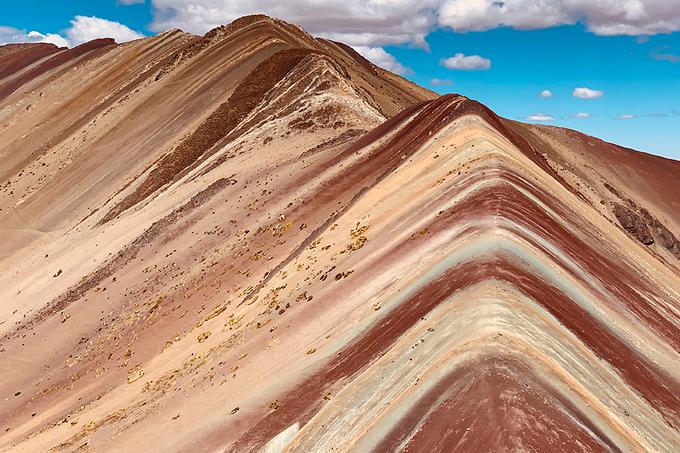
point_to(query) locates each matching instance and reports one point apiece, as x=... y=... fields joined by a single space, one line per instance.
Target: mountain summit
x=259 y=240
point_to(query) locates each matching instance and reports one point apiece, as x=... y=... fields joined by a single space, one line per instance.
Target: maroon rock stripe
x=495 y=403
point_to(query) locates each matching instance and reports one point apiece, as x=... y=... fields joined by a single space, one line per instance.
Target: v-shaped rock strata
x=504 y=318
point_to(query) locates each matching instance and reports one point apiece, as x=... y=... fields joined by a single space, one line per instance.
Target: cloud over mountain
x=13 y=35
x=82 y=29
x=602 y=17
x=377 y=23
x=87 y=28
x=380 y=57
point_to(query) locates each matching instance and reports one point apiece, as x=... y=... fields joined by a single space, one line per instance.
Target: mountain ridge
x=318 y=255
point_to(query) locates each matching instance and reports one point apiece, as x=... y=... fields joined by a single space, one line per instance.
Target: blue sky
x=635 y=63
x=524 y=63
x=54 y=16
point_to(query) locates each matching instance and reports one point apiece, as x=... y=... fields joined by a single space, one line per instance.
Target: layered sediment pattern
x=333 y=273
x=496 y=322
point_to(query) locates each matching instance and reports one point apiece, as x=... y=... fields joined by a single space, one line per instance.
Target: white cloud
x=12 y=35
x=628 y=17
x=602 y=17
x=587 y=93
x=377 y=23
x=581 y=115
x=466 y=62
x=87 y=28
x=385 y=22
x=540 y=117
x=380 y=57
x=545 y=94
x=479 y=15
x=373 y=23
x=82 y=29
x=439 y=82
x=52 y=38
x=626 y=116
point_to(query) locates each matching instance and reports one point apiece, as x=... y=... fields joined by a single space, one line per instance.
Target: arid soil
x=256 y=240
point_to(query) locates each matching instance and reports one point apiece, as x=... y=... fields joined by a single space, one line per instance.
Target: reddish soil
x=60 y=59
x=243 y=100
x=495 y=403
x=15 y=57
x=123 y=257
x=646 y=377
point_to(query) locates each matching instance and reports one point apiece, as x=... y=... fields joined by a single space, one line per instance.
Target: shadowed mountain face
x=257 y=240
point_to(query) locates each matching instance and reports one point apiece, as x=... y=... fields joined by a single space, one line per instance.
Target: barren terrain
x=258 y=240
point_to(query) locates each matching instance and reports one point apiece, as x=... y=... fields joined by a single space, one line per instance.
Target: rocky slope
x=256 y=239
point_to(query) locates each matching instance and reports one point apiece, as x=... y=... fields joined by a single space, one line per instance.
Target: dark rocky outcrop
x=646 y=228
x=633 y=223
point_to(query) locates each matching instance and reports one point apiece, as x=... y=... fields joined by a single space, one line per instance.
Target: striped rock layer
x=256 y=240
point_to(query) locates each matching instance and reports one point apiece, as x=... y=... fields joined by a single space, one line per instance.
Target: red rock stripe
x=57 y=60
x=359 y=178
x=15 y=61
x=481 y=397
x=301 y=403
x=616 y=277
